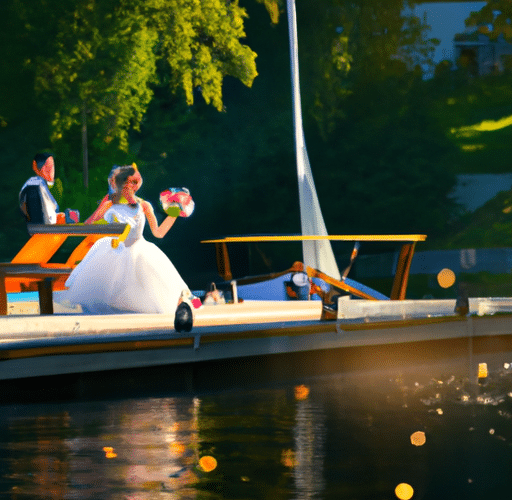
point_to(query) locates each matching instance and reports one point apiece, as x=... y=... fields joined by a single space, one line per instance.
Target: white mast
x=316 y=254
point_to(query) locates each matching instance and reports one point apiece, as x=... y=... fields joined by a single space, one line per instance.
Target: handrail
x=401 y=276
x=76 y=229
x=350 y=237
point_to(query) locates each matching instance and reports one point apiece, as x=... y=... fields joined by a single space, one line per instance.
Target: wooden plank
x=45 y=290
x=399 y=288
x=247 y=312
x=350 y=237
x=46 y=239
x=11 y=275
x=94 y=348
x=39 y=248
x=223 y=265
x=112 y=229
x=25 y=282
x=340 y=285
x=258 y=311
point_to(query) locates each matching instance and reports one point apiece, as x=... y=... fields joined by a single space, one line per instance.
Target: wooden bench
x=42 y=276
x=30 y=269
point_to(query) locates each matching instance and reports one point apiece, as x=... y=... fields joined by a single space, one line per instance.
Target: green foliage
x=498 y=15
x=57 y=191
x=377 y=135
x=459 y=105
x=99 y=60
x=489 y=226
x=345 y=45
x=390 y=175
x=274 y=8
x=200 y=41
x=19 y=141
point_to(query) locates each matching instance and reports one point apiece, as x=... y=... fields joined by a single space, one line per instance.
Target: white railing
x=379 y=310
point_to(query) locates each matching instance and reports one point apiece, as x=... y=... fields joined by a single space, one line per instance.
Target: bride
x=136 y=276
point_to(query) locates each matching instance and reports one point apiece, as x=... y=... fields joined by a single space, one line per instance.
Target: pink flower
x=177 y=202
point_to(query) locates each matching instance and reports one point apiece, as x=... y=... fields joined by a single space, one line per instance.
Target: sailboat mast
x=294 y=63
x=316 y=254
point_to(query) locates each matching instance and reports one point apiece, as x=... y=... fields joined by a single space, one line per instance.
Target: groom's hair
x=40 y=159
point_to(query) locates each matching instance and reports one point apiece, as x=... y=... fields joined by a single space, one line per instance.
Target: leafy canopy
x=493 y=19
x=105 y=58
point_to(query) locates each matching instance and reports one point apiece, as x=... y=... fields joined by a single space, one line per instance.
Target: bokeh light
x=109 y=452
x=445 y=278
x=288 y=458
x=177 y=448
x=301 y=392
x=482 y=370
x=404 y=491
x=207 y=463
x=418 y=438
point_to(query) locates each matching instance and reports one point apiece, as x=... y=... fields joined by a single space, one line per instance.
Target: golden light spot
x=301 y=392
x=445 y=278
x=178 y=448
x=482 y=370
x=404 y=491
x=207 y=463
x=109 y=452
x=288 y=458
x=418 y=438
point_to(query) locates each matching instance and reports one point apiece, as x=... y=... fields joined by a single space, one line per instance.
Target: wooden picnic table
x=31 y=269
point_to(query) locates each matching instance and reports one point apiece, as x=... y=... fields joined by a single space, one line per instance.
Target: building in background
x=481 y=55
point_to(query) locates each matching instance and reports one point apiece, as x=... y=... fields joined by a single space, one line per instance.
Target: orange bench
x=30 y=270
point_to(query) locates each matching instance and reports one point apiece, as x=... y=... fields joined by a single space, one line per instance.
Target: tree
x=344 y=45
x=368 y=128
x=107 y=57
x=493 y=19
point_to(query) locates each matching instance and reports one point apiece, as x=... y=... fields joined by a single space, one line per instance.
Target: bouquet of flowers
x=177 y=202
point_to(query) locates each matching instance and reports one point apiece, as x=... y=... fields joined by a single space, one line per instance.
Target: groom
x=37 y=203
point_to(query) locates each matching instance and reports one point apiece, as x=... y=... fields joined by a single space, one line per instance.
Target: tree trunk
x=85 y=152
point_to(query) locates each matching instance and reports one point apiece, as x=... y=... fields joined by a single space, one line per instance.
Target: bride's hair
x=117 y=178
x=122 y=176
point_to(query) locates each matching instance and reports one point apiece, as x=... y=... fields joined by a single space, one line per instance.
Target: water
x=335 y=436
x=23 y=297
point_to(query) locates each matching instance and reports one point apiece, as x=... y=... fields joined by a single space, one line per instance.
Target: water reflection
x=139 y=448
x=439 y=431
x=309 y=436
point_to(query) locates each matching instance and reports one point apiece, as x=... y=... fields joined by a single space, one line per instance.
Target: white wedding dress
x=134 y=277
